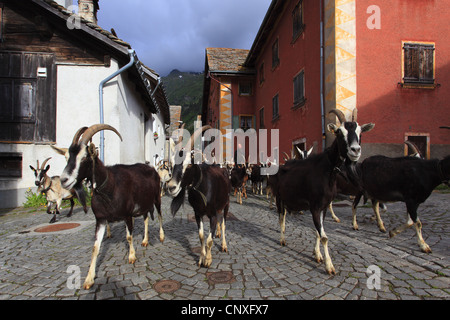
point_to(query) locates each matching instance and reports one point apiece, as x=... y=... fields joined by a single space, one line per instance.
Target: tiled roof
x=89 y=24
x=227 y=60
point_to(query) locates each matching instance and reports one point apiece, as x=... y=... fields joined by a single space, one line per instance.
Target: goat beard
x=177 y=202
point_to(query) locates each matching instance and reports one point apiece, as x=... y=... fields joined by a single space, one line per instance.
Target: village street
x=53 y=265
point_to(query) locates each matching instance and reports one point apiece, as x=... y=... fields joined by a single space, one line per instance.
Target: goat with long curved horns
x=120 y=192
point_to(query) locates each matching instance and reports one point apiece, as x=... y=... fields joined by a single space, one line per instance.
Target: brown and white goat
x=120 y=192
x=54 y=192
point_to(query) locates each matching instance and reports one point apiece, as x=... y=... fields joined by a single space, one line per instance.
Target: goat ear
x=367 y=127
x=47 y=168
x=332 y=127
x=31 y=167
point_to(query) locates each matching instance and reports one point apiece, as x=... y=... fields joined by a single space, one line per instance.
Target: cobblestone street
x=39 y=265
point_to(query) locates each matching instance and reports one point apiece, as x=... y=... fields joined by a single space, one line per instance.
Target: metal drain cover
x=220 y=277
x=166 y=286
x=57 y=227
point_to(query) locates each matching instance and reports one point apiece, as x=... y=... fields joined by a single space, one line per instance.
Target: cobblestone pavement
x=38 y=265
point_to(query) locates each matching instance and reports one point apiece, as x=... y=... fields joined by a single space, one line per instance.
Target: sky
x=173 y=34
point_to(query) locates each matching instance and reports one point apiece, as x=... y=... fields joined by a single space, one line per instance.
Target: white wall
x=78 y=106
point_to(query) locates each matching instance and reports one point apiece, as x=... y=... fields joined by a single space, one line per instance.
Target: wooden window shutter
x=418 y=63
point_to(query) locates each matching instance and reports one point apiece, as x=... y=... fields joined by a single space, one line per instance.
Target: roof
x=91 y=32
x=226 y=60
x=269 y=22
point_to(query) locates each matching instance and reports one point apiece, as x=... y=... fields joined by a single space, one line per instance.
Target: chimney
x=87 y=9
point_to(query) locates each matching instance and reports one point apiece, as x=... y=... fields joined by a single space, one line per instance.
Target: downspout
x=322 y=102
x=131 y=53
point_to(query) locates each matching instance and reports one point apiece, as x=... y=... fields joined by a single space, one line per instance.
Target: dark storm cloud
x=173 y=34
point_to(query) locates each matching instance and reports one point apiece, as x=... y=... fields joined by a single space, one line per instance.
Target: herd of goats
x=308 y=182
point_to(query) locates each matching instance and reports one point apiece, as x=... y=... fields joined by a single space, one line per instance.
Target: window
x=10 y=165
x=418 y=63
x=275 y=108
x=245 y=88
x=27 y=97
x=299 y=89
x=261 y=73
x=297 y=20
x=261 y=119
x=275 y=55
x=246 y=122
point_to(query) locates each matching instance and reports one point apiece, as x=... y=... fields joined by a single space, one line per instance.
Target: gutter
x=322 y=57
x=132 y=55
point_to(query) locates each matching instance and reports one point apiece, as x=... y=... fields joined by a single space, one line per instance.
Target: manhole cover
x=166 y=286
x=220 y=277
x=57 y=227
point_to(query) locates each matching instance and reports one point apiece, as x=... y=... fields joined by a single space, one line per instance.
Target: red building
x=387 y=59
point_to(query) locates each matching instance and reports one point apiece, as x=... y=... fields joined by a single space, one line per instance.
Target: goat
x=256 y=178
x=350 y=184
x=208 y=193
x=311 y=183
x=238 y=180
x=164 y=174
x=54 y=192
x=407 y=179
x=120 y=192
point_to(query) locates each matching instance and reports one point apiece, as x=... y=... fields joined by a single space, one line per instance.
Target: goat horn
x=78 y=135
x=94 y=129
x=287 y=156
x=197 y=132
x=355 y=115
x=44 y=163
x=412 y=146
x=340 y=115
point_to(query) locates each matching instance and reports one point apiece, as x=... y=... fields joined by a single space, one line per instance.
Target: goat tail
x=177 y=202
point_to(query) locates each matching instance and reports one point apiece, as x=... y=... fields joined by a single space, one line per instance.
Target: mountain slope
x=185 y=89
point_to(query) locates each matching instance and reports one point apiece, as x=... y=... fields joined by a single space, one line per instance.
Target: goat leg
x=99 y=232
x=132 y=256
x=145 y=241
x=376 y=209
x=72 y=203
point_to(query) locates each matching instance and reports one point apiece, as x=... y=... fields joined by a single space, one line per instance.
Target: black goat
x=407 y=179
x=238 y=180
x=256 y=178
x=311 y=183
x=208 y=193
x=120 y=192
x=349 y=183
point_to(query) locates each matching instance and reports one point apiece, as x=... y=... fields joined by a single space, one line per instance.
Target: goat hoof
x=331 y=272
x=88 y=284
x=53 y=220
x=225 y=249
x=144 y=244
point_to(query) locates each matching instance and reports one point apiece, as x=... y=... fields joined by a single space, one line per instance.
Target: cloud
x=173 y=34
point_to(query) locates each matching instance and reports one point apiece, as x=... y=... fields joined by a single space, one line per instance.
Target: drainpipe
x=322 y=102
x=131 y=53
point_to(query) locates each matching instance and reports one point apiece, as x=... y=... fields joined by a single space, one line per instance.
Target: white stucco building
x=51 y=89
